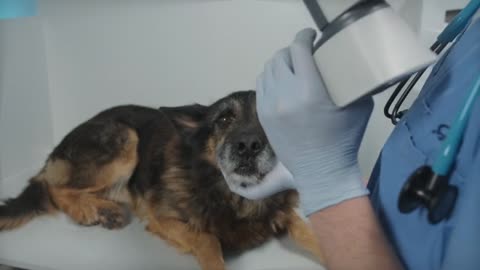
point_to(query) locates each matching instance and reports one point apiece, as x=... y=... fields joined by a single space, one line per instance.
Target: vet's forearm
x=351 y=237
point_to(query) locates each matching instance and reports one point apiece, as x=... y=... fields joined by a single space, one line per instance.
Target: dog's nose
x=249 y=145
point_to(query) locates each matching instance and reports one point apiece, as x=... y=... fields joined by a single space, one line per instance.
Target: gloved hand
x=317 y=141
x=278 y=179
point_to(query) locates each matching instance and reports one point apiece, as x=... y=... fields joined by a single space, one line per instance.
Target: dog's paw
x=114 y=218
x=89 y=224
x=85 y=216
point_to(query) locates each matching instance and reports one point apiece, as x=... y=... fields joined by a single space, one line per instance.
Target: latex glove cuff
x=316 y=195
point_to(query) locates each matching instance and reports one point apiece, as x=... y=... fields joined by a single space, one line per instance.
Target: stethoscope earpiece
x=424 y=188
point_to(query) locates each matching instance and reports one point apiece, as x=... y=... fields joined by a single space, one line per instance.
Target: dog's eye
x=225 y=119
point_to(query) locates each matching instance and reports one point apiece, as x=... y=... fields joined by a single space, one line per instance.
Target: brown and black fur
x=161 y=166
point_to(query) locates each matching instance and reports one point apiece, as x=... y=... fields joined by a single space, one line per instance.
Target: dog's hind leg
x=204 y=246
x=98 y=176
x=89 y=209
x=301 y=233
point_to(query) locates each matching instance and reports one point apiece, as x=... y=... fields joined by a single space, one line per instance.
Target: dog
x=172 y=168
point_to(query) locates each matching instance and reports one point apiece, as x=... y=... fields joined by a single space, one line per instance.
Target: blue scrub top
x=416 y=140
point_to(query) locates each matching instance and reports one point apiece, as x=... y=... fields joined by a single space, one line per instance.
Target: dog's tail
x=32 y=202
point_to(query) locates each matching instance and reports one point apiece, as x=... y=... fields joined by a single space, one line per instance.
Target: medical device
x=354 y=57
x=365 y=49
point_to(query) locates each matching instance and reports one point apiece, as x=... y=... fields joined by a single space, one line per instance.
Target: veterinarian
x=361 y=227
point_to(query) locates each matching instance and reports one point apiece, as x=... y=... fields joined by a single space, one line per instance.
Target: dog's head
x=238 y=142
x=230 y=137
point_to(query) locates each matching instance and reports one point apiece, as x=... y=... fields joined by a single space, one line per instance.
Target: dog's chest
x=243 y=235
x=250 y=230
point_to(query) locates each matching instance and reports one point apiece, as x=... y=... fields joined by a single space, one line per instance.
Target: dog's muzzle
x=245 y=159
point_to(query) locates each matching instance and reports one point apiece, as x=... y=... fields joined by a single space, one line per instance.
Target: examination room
x=239 y=134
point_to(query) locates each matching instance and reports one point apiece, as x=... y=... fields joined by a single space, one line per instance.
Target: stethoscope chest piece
x=428 y=186
x=424 y=188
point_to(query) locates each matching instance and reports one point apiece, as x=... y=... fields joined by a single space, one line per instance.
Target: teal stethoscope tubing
x=450 y=32
x=428 y=186
x=459 y=22
x=444 y=162
x=11 y=9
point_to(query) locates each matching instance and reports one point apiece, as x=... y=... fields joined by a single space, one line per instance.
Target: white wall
x=433 y=19
x=158 y=52
x=102 y=53
x=25 y=116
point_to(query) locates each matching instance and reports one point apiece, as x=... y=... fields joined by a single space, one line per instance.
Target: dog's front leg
x=204 y=246
x=301 y=233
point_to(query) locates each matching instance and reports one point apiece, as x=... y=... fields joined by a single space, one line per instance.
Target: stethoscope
x=428 y=186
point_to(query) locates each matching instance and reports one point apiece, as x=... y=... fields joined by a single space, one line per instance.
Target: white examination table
x=55 y=243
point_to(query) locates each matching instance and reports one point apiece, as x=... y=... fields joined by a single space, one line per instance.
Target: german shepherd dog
x=171 y=167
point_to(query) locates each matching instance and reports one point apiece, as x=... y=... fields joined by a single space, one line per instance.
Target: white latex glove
x=317 y=141
x=276 y=180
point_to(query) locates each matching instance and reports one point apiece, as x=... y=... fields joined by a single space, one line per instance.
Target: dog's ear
x=187 y=119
